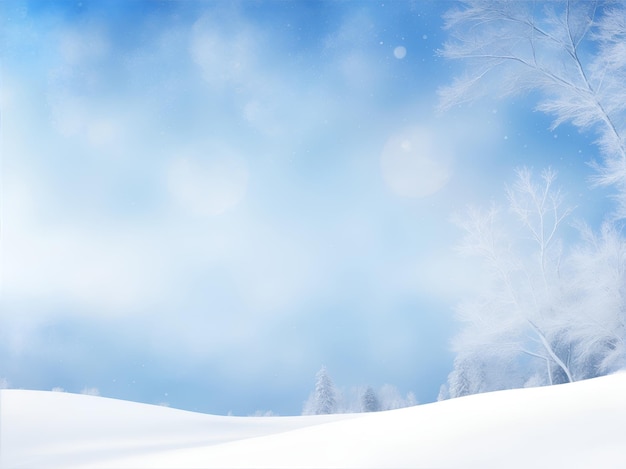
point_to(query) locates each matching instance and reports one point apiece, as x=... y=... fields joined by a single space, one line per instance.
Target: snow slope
x=580 y=425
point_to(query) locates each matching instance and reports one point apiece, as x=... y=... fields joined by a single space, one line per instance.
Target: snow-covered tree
x=466 y=378
x=390 y=398
x=90 y=391
x=443 y=393
x=369 y=400
x=354 y=399
x=573 y=53
x=518 y=312
x=595 y=311
x=325 y=397
x=548 y=316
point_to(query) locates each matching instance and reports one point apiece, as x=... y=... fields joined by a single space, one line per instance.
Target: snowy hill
x=580 y=425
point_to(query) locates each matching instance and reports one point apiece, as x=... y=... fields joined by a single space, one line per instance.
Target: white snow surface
x=579 y=425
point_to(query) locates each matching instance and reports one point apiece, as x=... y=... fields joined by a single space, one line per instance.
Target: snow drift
x=579 y=425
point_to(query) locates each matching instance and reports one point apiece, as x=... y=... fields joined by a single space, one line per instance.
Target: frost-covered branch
x=573 y=52
x=540 y=210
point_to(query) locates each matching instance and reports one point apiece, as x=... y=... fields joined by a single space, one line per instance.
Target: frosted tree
x=595 y=314
x=390 y=398
x=546 y=316
x=369 y=400
x=518 y=314
x=572 y=52
x=325 y=397
x=466 y=378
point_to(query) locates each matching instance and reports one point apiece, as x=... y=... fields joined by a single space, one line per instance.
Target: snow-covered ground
x=580 y=425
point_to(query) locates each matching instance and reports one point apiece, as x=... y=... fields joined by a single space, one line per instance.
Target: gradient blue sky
x=203 y=202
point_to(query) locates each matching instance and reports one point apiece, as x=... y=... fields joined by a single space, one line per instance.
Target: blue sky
x=203 y=202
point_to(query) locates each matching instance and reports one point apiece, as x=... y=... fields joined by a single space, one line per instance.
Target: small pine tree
x=443 y=393
x=325 y=394
x=369 y=401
